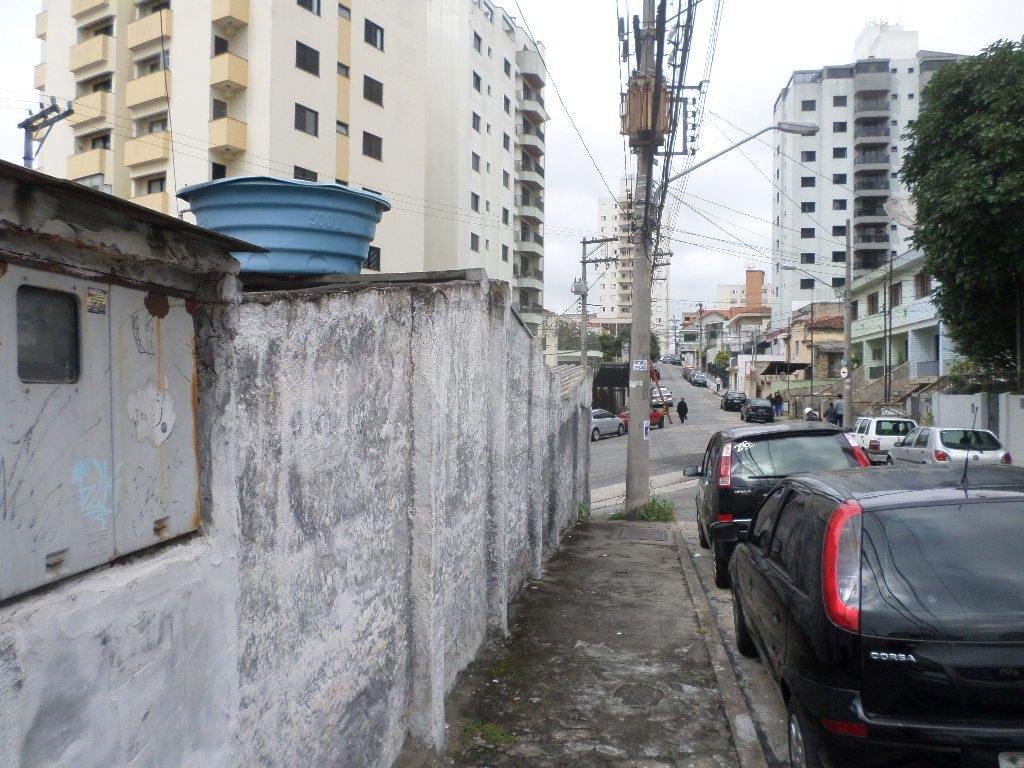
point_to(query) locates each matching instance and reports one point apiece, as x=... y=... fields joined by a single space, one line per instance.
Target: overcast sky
x=760 y=44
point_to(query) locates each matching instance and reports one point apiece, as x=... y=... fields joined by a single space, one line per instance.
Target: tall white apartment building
x=848 y=170
x=615 y=286
x=438 y=105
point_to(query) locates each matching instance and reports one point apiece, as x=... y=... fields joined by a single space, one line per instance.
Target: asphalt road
x=673 y=447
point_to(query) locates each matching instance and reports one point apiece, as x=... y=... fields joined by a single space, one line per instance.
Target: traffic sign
x=844 y=372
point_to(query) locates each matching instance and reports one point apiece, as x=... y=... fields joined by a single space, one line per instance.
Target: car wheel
x=701 y=537
x=595 y=435
x=661 y=423
x=620 y=430
x=804 y=745
x=744 y=642
x=721 y=565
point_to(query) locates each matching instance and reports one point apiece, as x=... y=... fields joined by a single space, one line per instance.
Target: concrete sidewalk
x=610 y=498
x=612 y=660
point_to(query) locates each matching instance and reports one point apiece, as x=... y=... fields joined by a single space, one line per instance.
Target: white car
x=661 y=395
x=604 y=423
x=878 y=434
x=950 y=447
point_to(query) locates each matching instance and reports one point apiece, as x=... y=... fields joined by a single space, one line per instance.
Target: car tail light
x=725 y=467
x=840 y=566
x=724 y=518
x=874 y=445
x=940 y=455
x=845 y=728
x=1007 y=459
x=858 y=452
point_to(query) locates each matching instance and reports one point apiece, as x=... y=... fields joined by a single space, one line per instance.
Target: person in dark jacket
x=682 y=409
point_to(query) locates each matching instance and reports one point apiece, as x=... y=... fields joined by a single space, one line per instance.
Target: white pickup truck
x=878 y=434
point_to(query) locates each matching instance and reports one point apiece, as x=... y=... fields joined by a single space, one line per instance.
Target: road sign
x=844 y=372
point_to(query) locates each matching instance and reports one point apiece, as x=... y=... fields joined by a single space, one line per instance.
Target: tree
x=722 y=359
x=964 y=164
x=611 y=343
x=655 y=346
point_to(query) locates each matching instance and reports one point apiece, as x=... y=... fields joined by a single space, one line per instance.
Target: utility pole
x=646 y=123
x=46 y=117
x=700 y=336
x=847 y=326
x=581 y=288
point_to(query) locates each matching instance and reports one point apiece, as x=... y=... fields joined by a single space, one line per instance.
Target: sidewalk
x=612 y=660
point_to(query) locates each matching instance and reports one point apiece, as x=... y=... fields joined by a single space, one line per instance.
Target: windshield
x=758 y=401
x=891 y=428
x=777 y=456
x=969 y=439
x=951 y=571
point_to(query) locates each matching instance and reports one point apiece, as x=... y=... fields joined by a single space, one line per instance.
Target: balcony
x=92 y=162
x=866 y=135
x=873 y=82
x=83 y=8
x=869 y=215
x=530 y=174
x=91 y=108
x=531 y=313
x=530 y=208
x=39 y=77
x=90 y=56
x=531 y=104
x=149 y=29
x=871 y=161
x=866 y=108
x=531 y=279
x=531 y=68
x=229 y=73
x=157 y=201
x=227 y=135
x=871 y=184
x=529 y=242
x=151 y=148
x=230 y=15
x=530 y=139
x=147 y=89
x=41 y=25
x=869 y=238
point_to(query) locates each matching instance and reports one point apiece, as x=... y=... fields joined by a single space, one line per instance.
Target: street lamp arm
x=717 y=155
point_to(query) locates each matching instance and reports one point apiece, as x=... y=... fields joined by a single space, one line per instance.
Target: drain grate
x=643 y=534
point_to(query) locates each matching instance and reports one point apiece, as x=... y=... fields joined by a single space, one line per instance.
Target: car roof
x=781 y=428
x=884 y=487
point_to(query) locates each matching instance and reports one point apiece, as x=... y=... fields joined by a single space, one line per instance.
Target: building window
x=806 y=283
x=474 y=242
x=895 y=294
x=100 y=142
x=838 y=153
x=156 y=185
x=508 y=106
x=839 y=204
x=838 y=101
x=838 y=282
x=839 y=178
x=894 y=96
x=806 y=258
x=476 y=122
x=508 y=68
x=373 y=90
x=341 y=128
x=506 y=141
x=922 y=286
x=808 y=105
x=474 y=201
x=344 y=11
x=218 y=109
x=477 y=82
x=373 y=146
x=310 y=5
x=839 y=256
x=307 y=59
x=505 y=179
x=806 y=207
x=910 y=96
x=343 y=69
x=478 y=42
x=853 y=310
x=218 y=170
x=808 y=156
x=839 y=127
x=807 y=233
x=103 y=85
x=839 y=231
x=220 y=45
x=48 y=342
x=157 y=125
x=307 y=120
x=873 y=303
x=504 y=253
x=373 y=258
x=806 y=181
x=303 y=174
x=504 y=216
x=475 y=162
x=374 y=35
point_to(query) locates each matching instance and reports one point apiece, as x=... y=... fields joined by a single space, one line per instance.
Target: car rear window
x=969 y=439
x=781 y=455
x=951 y=571
x=759 y=401
x=893 y=428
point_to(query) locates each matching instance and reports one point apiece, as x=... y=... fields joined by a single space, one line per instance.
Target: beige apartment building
x=437 y=104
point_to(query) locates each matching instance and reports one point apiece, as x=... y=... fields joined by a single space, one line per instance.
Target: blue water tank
x=310 y=228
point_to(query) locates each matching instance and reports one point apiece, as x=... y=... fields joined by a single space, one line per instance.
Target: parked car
x=733 y=401
x=878 y=434
x=657 y=417
x=660 y=395
x=698 y=379
x=757 y=409
x=688 y=373
x=948 y=447
x=604 y=423
x=742 y=465
x=888 y=605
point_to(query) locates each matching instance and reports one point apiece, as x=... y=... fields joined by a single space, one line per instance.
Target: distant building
x=754 y=292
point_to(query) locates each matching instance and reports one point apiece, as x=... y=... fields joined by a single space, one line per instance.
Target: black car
x=757 y=409
x=699 y=380
x=741 y=465
x=889 y=607
x=733 y=401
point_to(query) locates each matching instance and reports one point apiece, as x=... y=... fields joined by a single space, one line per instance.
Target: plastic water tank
x=310 y=228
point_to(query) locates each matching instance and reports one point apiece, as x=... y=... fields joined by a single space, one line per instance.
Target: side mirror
x=898 y=443
x=691 y=471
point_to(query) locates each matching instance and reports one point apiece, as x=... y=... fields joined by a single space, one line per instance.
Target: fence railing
x=871 y=105
x=870 y=184
x=868 y=132
x=871 y=157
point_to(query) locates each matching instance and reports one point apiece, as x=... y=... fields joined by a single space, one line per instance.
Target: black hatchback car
x=733 y=401
x=889 y=607
x=757 y=409
x=742 y=465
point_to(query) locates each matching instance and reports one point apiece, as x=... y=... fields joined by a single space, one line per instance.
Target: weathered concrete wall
x=407 y=460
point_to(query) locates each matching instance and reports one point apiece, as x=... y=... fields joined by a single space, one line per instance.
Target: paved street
x=672 y=447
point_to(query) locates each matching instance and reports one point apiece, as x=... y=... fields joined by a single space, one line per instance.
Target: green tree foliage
x=611 y=344
x=965 y=166
x=722 y=359
x=655 y=347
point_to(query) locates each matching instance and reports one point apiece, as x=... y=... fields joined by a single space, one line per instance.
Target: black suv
x=889 y=607
x=733 y=401
x=741 y=465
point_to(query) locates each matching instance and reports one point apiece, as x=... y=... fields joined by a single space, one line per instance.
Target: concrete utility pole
x=582 y=289
x=646 y=124
x=46 y=117
x=847 y=323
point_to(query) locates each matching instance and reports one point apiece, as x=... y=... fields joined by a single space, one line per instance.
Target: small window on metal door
x=48 y=339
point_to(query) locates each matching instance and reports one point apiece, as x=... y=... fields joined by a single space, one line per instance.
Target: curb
x=658 y=482
x=741 y=720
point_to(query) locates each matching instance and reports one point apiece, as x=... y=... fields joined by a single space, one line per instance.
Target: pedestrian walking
x=682 y=409
x=718 y=384
x=830 y=413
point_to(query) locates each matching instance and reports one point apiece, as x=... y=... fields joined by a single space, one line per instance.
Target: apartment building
x=437 y=105
x=615 y=285
x=752 y=292
x=849 y=170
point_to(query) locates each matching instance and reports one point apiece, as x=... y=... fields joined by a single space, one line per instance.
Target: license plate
x=1011 y=760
